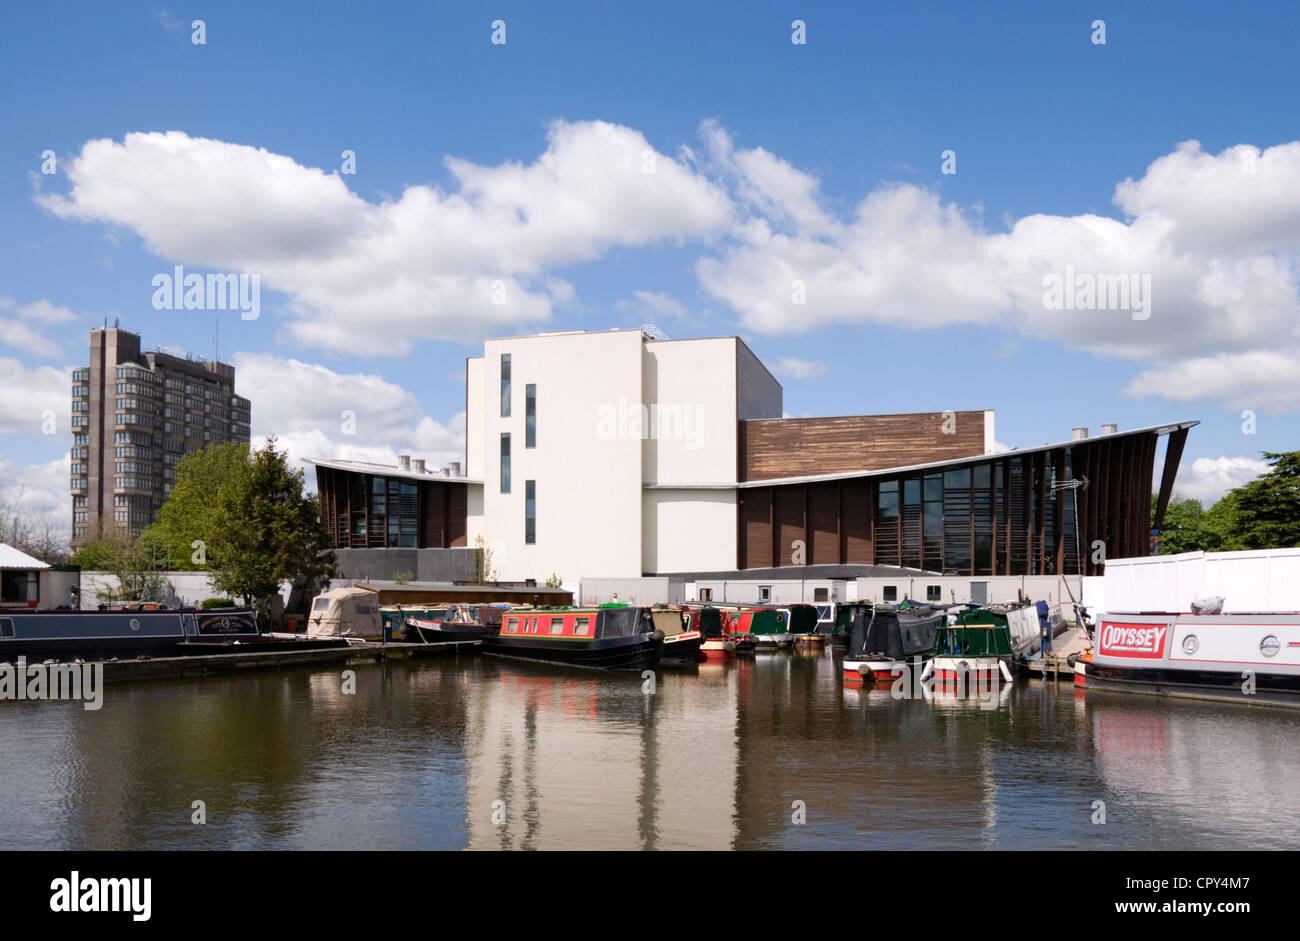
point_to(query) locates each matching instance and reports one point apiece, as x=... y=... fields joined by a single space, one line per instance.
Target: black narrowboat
x=607 y=636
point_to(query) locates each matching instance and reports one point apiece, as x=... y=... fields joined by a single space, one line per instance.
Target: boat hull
x=615 y=653
x=682 y=648
x=1248 y=658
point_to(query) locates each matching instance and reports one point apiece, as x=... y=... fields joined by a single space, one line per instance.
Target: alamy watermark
x=674 y=421
x=69 y=681
x=1108 y=291
x=181 y=291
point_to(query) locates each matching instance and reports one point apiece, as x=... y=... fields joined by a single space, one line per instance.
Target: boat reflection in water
x=577 y=760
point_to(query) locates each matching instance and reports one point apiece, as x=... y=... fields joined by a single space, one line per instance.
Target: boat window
x=6 y=627
x=581 y=625
x=191 y=629
x=511 y=624
x=557 y=625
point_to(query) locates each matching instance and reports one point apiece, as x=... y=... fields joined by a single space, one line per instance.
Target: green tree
x=1268 y=509
x=1184 y=527
x=265 y=529
x=137 y=564
x=190 y=513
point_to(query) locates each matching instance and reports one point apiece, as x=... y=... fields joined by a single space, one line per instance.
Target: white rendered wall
x=586 y=464
x=691 y=386
x=689 y=531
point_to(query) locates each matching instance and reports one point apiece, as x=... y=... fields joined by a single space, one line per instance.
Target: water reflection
x=771 y=751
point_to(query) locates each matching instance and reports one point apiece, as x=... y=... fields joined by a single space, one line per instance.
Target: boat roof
x=11 y=558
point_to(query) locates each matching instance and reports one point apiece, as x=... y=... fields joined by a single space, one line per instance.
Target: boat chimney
x=1079 y=433
x=1109 y=429
x=404 y=461
x=418 y=465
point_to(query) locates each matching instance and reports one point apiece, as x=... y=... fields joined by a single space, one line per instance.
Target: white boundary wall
x=182 y=589
x=1256 y=580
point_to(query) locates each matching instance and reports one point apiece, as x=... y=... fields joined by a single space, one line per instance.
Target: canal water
x=762 y=753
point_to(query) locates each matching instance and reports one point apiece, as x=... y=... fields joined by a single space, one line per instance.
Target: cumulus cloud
x=317 y=412
x=1261 y=380
x=368 y=278
x=21 y=329
x=797 y=368
x=1218 y=235
x=1209 y=478
x=45 y=391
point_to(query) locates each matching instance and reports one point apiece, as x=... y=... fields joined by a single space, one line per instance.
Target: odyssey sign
x=1144 y=641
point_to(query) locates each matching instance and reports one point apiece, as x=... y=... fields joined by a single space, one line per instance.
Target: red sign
x=1139 y=641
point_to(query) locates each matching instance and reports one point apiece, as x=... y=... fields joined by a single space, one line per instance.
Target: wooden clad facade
x=774 y=448
x=1007 y=515
x=374 y=511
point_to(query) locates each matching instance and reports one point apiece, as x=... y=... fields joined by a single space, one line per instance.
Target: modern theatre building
x=623 y=453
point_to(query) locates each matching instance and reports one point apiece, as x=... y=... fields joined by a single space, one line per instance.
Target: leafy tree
x=1268 y=509
x=137 y=564
x=190 y=513
x=1184 y=527
x=265 y=529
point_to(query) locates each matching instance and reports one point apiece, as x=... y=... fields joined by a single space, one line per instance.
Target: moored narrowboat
x=682 y=641
x=124 y=633
x=971 y=655
x=460 y=622
x=767 y=628
x=884 y=639
x=717 y=644
x=1244 y=658
x=607 y=636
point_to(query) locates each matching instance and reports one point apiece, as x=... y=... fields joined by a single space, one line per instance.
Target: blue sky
x=922 y=298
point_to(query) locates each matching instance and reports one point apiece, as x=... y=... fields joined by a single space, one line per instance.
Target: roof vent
x=455 y=468
x=1079 y=433
x=404 y=461
x=1109 y=429
x=418 y=465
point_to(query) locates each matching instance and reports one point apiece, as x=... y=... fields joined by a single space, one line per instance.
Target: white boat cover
x=345 y=612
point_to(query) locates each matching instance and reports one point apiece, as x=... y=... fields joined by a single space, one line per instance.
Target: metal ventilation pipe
x=1079 y=433
x=418 y=464
x=455 y=468
x=1109 y=429
x=404 y=461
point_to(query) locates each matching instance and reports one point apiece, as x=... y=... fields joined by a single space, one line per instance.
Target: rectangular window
x=530 y=512
x=530 y=416
x=512 y=626
x=505 y=386
x=820 y=594
x=557 y=625
x=890 y=593
x=706 y=594
x=887 y=501
x=582 y=625
x=6 y=627
x=764 y=594
x=933 y=593
x=505 y=462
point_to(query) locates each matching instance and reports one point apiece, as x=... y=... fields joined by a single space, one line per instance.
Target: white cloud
x=22 y=331
x=1263 y=381
x=798 y=368
x=1218 y=235
x=44 y=389
x=319 y=413
x=1209 y=478
x=651 y=304
x=39 y=492
x=370 y=278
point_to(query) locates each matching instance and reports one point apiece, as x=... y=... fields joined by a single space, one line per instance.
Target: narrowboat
x=971 y=654
x=883 y=638
x=610 y=636
x=717 y=644
x=1043 y=642
x=126 y=634
x=767 y=628
x=682 y=642
x=845 y=612
x=1244 y=658
x=460 y=622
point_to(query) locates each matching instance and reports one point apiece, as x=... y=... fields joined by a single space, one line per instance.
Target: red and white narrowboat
x=711 y=623
x=1246 y=658
x=608 y=636
x=682 y=642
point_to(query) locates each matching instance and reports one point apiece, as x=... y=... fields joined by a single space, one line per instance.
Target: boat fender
x=656 y=636
x=1006 y=674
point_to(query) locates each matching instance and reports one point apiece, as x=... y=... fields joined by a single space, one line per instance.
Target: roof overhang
x=388 y=470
